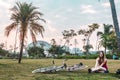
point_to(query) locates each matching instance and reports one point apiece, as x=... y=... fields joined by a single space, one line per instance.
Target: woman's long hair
x=101 y=59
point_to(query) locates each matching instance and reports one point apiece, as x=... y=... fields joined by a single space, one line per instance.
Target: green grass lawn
x=11 y=70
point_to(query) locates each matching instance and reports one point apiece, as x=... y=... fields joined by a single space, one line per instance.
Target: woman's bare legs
x=98 y=69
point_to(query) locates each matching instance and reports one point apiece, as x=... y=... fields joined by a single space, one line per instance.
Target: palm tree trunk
x=115 y=22
x=88 y=43
x=67 y=44
x=96 y=46
x=75 y=46
x=15 y=41
x=21 y=49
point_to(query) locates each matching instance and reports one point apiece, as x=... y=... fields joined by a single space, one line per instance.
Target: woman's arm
x=97 y=64
x=103 y=62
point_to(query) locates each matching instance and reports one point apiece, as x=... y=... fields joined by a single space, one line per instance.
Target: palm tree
x=115 y=22
x=25 y=17
x=104 y=36
x=15 y=41
x=112 y=44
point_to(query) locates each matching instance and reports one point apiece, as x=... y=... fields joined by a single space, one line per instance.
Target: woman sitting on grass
x=101 y=64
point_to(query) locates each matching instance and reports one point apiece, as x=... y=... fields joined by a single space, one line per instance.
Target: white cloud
x=6 y=4
x=88 y=9
x=50 y=27
x=65 y=18
x=117 y=1
x=5 y=10
x=69 y=10
x=57 y=16
x=106 y=5
x=60 y=17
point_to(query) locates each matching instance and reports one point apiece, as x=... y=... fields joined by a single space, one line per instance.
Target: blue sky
x=63 y=15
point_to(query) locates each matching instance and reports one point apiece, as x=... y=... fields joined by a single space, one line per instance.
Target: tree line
x=25 y=18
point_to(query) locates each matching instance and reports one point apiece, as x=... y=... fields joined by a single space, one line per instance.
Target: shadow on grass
x=4 y=65
x=115 y=75
x=78 y=75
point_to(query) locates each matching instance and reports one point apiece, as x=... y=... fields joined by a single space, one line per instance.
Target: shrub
x=91 y=56
x=36 y=52
x=109 y=56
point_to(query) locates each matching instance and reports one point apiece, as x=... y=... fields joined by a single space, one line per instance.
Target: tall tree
x=87 y=34
x=53 y=42
x=75 y=42
x=56 y=49
x=36 y=52
x=25 y=17
x=115 y=22
x=104 y=36
x=112 y=43
x=68 y=35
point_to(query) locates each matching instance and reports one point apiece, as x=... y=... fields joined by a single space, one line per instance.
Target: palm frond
x=99 y=33
x=33 y=36
x=35 y=16
x=9 y=28
x=37 y=28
